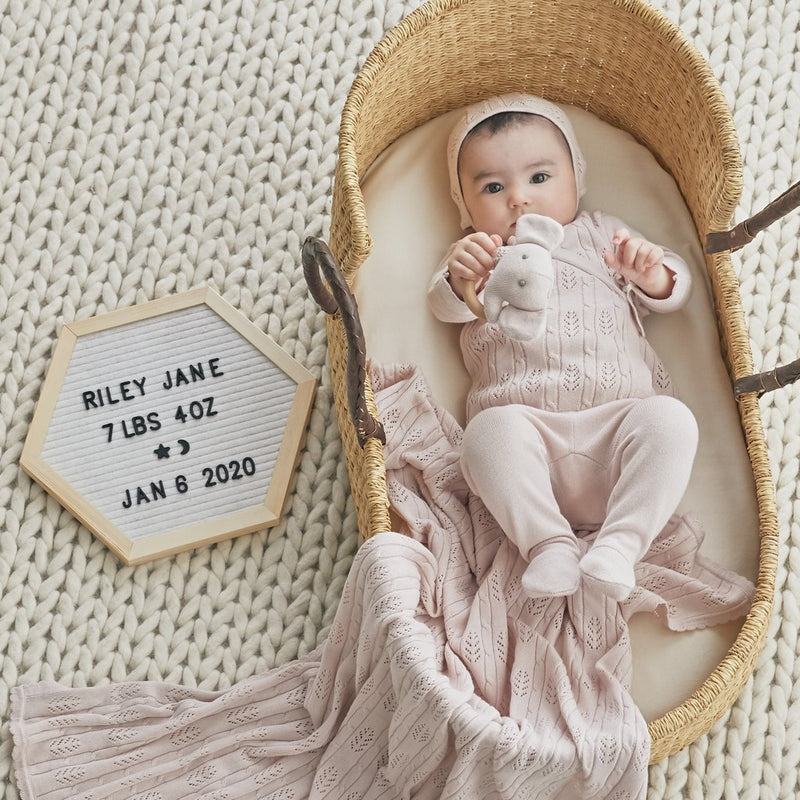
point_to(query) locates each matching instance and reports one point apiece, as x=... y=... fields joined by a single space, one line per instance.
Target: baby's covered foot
x=611 y=569
x=553 y=571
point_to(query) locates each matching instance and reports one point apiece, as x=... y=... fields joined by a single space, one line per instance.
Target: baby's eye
x=539 y=177
x=493 y=188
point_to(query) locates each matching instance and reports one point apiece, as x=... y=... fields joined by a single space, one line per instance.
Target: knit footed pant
x=620 y=468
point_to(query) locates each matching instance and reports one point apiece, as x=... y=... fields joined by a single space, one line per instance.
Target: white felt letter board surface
x=169 y=425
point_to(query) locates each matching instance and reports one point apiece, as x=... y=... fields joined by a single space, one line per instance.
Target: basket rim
x=415 y=22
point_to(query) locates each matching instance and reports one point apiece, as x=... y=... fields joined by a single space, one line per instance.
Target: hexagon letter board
x=169 y=425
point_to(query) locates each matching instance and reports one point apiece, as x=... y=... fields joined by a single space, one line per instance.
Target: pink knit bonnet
x=480 y=111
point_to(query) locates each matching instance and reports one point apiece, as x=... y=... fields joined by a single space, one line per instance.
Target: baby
x=575 y=429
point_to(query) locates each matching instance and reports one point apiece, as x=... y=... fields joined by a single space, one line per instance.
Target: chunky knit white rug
x=150 y=146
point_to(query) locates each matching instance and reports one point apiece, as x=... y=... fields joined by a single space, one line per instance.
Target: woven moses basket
x=625 y=63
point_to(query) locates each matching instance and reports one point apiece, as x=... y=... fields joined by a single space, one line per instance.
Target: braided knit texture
x=152 y=146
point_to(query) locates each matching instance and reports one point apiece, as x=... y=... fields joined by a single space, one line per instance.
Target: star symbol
x=162 y=451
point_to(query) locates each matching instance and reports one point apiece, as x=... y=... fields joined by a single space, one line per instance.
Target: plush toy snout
x=522 y=277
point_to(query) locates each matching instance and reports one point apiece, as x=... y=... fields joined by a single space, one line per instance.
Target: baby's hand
x=640 y=262
x=472 y=259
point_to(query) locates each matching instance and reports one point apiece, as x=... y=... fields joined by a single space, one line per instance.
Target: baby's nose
x=519 y=197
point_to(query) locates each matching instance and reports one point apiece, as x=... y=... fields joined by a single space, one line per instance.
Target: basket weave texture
x=627 y=64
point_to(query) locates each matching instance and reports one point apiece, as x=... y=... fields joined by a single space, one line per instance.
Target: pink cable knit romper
x=577 y=430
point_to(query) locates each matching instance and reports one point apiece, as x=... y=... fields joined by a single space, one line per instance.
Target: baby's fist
x=471 y=259
x=641 y=262
x=633 y=256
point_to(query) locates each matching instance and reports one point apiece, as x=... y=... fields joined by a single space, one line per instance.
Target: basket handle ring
x=336 y=298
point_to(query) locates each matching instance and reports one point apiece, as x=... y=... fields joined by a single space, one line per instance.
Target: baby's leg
x=651 y=461
x=505 y=457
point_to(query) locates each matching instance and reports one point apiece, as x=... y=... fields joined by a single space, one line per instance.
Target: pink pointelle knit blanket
x=438 y=678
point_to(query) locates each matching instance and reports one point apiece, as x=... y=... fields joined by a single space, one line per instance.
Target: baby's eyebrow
x=490 y=173
x=483 y=175
x=543 y=162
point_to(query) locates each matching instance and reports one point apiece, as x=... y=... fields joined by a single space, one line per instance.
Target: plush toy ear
x=536 y=229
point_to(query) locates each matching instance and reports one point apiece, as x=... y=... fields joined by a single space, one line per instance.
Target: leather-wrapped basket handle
x=767 y=381
x=336 y=298
x=738 y=237
x=744 y=233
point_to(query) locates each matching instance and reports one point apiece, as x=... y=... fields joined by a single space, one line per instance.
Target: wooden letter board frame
x=160 y=543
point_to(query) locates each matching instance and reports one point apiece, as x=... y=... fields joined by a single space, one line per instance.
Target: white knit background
x=151 y=146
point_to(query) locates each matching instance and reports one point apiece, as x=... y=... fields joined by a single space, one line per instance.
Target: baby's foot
x=611 y=569
x=553 y=571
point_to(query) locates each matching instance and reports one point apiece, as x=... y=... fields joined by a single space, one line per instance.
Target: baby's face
x=523 y=169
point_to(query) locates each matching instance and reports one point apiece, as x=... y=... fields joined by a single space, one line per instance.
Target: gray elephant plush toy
x=518 y=291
